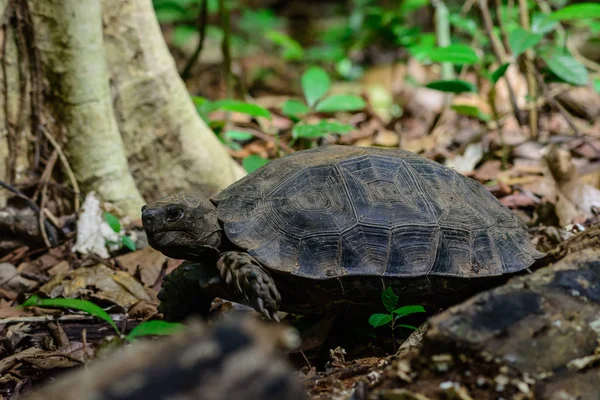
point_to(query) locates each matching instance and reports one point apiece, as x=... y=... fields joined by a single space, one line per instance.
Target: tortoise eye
x=173 y=214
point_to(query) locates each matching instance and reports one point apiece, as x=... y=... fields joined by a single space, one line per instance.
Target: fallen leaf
x=92 y=229
x=149 y=262
x=99 y=281
x=467 y=162
x=11 y=280
x=576 y=200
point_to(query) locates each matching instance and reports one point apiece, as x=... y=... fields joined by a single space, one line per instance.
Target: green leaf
x=414 y=328
x=540 y=24
x=341 y=102
x=292 y=50
x=154 y=328
x=499 y=72
x=471 y=111
x=76 y=304
x=128 y=242
x=294 y=108
x=253 y=162
x=456 y=53
x=521 y=40
x=182 y=34
x=408 y=310
x=323 y=128
x=597 y=84
x=238 y=135
x=315 y=83
x=112 y=221
x=412 y=5
x=377 y=320
x=576 y=11
x=242 y=107
x=568 y=69
x=389 y=299
x=452 y=86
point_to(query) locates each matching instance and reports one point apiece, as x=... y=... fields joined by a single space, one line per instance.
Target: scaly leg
x=251 y=282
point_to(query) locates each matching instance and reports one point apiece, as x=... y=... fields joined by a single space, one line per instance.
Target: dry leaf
x=576 y=200
x=118 y=287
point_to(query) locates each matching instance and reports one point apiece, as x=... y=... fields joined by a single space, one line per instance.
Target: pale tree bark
x=169 y=147
x=112 y=99
x=15 y=128
x=69 y=37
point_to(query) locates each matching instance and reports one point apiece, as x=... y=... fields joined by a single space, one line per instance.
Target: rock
x=11 y=280
x=545 y=325
x=234 y=359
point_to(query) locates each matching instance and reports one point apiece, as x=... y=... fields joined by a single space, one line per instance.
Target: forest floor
x=550 y=180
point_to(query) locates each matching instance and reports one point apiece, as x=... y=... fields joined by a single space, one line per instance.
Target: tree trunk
x=169 y=147
x=69 y=37
x=113 y=100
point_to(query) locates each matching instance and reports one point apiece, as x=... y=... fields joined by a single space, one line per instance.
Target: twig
x=66 y=166
x=202 y=22
x=44 y=191
x=500 y=55
x=225 y=47
x=51 y=318
x=527 y=58
x=552 y=101
x=501 y=26
x=268 y=138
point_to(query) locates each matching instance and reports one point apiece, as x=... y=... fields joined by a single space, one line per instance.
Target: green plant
x=148 y=328
x=115 y=225
x=315 y=85
x=390 y=301
x=231 y=138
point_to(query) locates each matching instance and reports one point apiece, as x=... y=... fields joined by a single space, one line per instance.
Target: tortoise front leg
x=181 y=294
x=251 y=282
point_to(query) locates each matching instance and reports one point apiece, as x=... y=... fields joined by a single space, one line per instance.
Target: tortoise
x=328 y=229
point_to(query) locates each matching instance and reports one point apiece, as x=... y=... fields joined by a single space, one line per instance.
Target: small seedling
x=390 y=301
x=148 y=328
x=315 y=85
x=115 y=225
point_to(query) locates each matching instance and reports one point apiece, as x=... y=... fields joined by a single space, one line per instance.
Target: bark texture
x=169 y=147
x=15 y=127
x=70 y=39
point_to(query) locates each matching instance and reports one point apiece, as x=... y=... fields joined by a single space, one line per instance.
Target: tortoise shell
x=351 y=211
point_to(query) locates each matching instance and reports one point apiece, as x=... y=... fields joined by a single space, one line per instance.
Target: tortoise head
x=183 y=226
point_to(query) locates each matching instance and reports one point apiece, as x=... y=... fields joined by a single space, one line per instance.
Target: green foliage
x=112 y=221
x=521 y=40
x=154 y=328
x=452 y=86
x=390 y=301
x=567 y=68
x=253 y=162
x=241 y=107
x=128 y=243
x=576 y=12
x=471 y=111
x=291 y=49
x=315 y=83
x=320 y=129
x=294 y=108
x=75 y=304
x=148 y=328
x=459 y=54
x=340 y=102
x=499 y=72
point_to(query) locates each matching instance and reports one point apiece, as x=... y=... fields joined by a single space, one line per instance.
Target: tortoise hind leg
x=181 y=294
x=250 y=282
